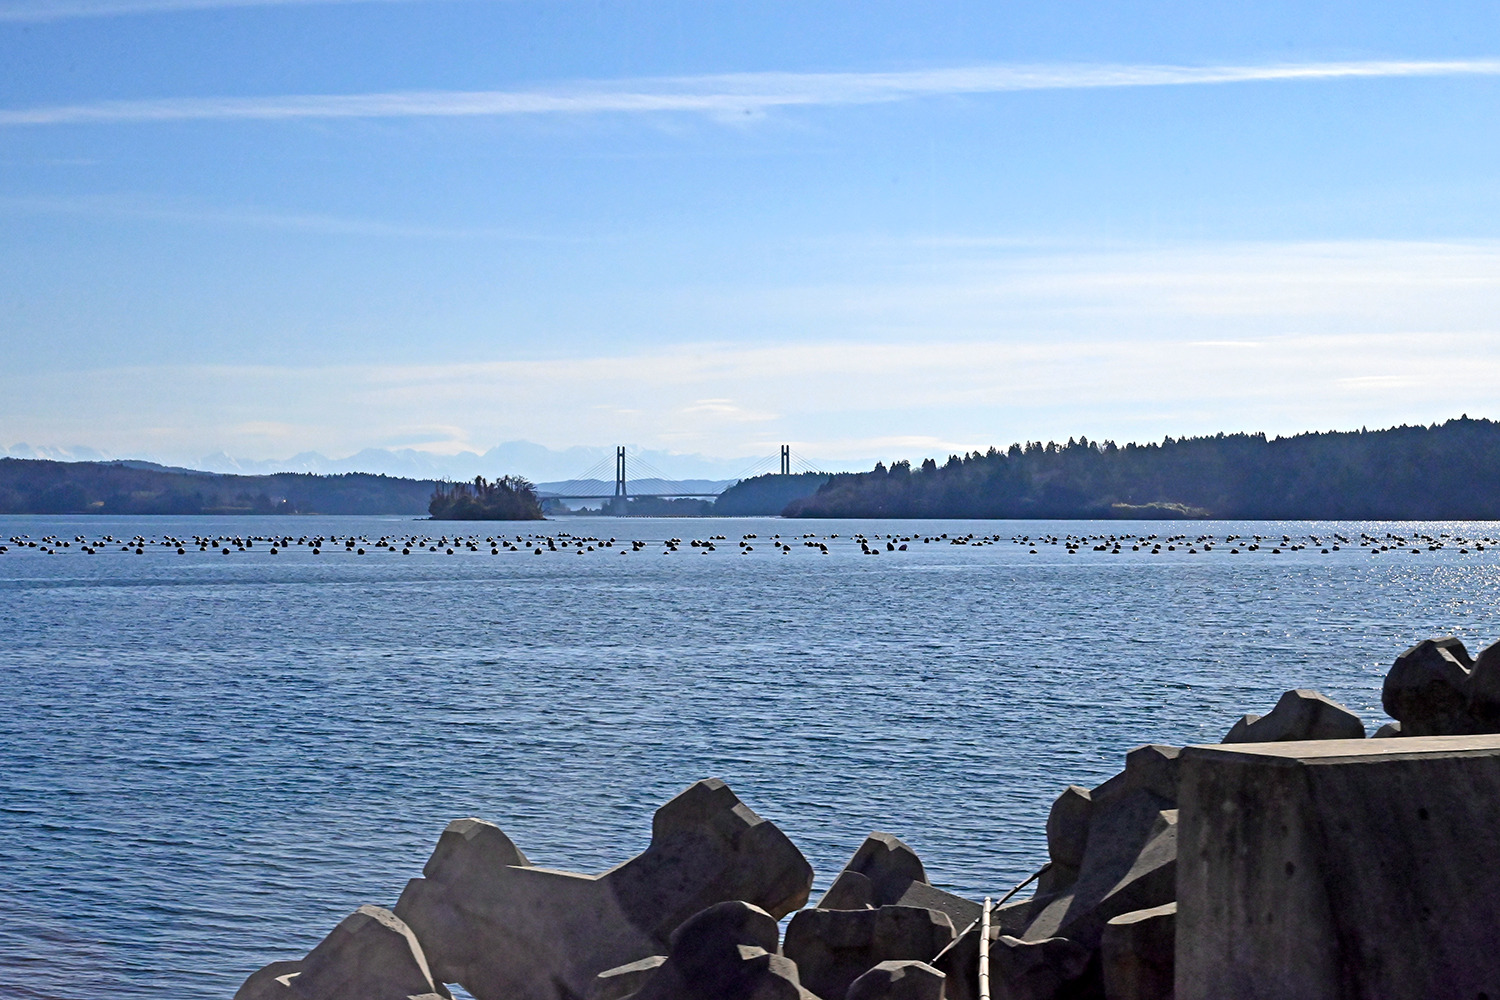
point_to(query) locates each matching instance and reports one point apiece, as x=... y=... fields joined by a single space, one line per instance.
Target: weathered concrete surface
x=832 y=948
x=509 y=931
x=1340 y=870
x=370 y=955
x=1301 y=714
x=1138 y=952
x=898 y=981
x=726 y=952
x=886 y=872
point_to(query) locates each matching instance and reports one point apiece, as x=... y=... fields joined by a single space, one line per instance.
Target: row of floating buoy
x=874 y=544
x=407 y=544
x=1326 y=543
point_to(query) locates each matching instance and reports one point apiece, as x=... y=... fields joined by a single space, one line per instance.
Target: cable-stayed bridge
x=592 y=484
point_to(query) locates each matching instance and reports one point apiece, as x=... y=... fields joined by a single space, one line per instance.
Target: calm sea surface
x=207 y=760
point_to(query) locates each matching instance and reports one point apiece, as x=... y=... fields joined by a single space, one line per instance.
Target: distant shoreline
x=1441 y=472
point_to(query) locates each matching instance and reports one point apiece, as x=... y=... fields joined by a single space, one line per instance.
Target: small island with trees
x=508 y=498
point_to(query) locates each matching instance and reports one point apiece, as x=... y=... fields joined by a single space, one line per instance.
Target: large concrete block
x=506 y=930
x=1340 y=870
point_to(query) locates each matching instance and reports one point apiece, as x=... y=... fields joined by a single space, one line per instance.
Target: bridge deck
x=628 y=496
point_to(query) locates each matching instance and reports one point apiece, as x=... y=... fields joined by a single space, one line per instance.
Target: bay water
x=208 y=759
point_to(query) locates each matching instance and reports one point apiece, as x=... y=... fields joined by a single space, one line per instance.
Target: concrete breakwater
x=1295 y=859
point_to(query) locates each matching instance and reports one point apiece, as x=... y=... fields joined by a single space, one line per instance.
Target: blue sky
x=871 y=230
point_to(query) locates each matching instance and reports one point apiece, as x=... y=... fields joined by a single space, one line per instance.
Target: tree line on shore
x=1449 y=470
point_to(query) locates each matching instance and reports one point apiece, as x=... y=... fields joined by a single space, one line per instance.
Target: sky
x=870 y=230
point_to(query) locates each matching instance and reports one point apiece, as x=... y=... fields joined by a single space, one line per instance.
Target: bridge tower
x=619 y=504
x=786 y=460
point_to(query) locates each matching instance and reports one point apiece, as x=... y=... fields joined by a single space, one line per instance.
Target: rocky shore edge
x=696 y=915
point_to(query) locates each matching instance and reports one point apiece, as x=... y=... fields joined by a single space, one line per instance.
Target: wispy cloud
x=724 y=96
x=34 y=11
x=1121 y=345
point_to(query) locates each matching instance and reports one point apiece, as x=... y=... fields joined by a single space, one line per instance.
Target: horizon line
x=732 y=96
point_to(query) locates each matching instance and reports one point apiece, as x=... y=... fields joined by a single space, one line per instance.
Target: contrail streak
x=724 y=95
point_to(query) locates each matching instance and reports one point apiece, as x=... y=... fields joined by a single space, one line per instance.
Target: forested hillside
x=766 y=495
x=1451 y=470
x=29 y=486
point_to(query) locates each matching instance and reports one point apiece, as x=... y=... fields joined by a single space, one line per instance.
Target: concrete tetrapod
x=1484 y=690
x=508 y=931
x=1299 y=715
x=884 y=871
x=1427 y=689
x=370 y=955
x=833 y=948
x=898 y=981
x=1068 y=827
x=1340 y=870
x=614 y=984
x=1128 y=833
x=1130 y=857
x=1047 y=969
x=727 y=952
